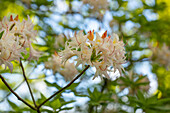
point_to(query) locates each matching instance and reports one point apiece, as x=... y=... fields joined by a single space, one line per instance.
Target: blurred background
x=144 y=27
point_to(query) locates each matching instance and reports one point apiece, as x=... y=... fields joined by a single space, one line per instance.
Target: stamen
x=8 y=57
x=112 y=51
x=23 y=27
x=76 y=38
x=22 y=45
x=102 y=69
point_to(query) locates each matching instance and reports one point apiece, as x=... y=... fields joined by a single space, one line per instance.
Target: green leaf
x=47 y=110
x=64 y=103
x=40 y=100
x=43 y=2
x=13 y=105
x=66 y=108
x=140 y=96
x=140 y=78
x=67 y=26
x=161 y=108
x=152 y=100
x=80 y=94
x=55 y=104
x=53 y=85
x=162 y=101
x=27 y=109
x=73 y=86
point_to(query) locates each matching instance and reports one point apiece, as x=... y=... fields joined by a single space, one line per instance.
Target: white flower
x=67 y=70
x=101 y=52
x=54 y=63
x=33 y=53
x=77 y=40
x=111 y=52
x=77 y=47
x=25 y=29
x=161 y=55
x=16 y=37
x=10 y=50
x=66 y=53
x=59 y=41
x=5 y=24
x=97 y=6
x=84 y=55
x=101 y=69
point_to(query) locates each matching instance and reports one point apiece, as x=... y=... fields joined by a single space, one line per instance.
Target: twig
x=11 y=92
x=63 y=87
x=19 y=98
x=14 y=89
x=27 y=83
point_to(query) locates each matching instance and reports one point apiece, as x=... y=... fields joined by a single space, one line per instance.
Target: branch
x=14 y=89
x=19 y=98
x=64 y=87
x=11 y=92
x=27 y=83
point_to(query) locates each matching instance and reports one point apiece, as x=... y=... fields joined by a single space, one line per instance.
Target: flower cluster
x=97 y=5
x=102 y=52
x=68 y=71
x=15 y=37
x=161 y=55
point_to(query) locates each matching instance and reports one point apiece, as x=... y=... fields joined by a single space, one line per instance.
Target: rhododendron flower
x=16 y=37
x=67 y=70
x=101 y=52
x=84 y=55
x=161 y=55
x=66 y=54
x=78 y=40
x=97 y=5
x=59 y=41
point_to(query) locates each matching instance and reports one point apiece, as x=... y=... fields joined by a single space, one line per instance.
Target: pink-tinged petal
x=33 y=53
x=10 y=65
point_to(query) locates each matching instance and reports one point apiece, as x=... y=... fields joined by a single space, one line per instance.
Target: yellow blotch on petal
x=85 y=52
x=98 y=40
x=114 y=41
